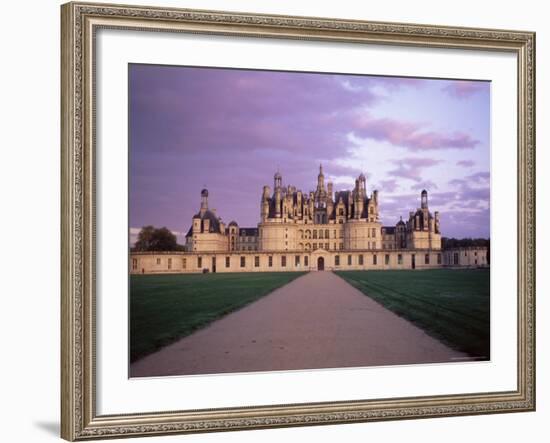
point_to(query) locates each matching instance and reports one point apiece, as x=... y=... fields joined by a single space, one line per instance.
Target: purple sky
x=230 y=130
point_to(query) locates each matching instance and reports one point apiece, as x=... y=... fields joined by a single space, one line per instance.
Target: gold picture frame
x=79 y=22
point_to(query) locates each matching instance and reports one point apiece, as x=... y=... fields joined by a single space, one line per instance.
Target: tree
x=145 y=238
x=153 y=239
x=164 y=240
x=447 y=243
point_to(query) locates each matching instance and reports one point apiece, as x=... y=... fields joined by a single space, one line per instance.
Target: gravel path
x=316 y=321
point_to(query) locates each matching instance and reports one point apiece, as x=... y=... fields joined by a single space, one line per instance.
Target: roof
x=389 y=229
x=208 y=215
x=343 y=194
x=232 y=223
x=214 y=221
x=250 y=232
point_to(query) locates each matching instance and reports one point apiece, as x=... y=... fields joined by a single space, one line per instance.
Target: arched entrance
x=320 y=264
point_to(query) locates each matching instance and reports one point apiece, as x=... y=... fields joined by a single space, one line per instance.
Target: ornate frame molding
x=79 y=420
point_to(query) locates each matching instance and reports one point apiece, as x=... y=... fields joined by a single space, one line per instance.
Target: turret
x=320 y=179
x=363 y=184
x=264 y=206
x=204 y=201
x=424 y=199
x=357 y=206
x=277 y=180
x=278 y=202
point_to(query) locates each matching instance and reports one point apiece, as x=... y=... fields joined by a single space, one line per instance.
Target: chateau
x=322 y=229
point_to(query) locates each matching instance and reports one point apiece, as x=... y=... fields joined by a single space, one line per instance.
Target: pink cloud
x=389 y=185
x=412 y=168
x=411 y=135
x=463 y=89
x=465 y=163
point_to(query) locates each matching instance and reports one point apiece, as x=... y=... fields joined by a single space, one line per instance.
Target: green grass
x=164 y=308
x=450 y=305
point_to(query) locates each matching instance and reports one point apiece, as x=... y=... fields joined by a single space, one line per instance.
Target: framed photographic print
x=282 y=221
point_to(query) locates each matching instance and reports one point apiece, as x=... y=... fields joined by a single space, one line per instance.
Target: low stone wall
x=255 y=261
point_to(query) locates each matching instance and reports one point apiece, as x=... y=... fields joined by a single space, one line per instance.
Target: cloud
x=388 y=185
x=342 y=180
x=465 y=163
x=412 y=168
x=463 y=89
x=229 y=130
x=479 y=178
x=428 y=185
x=412 y=136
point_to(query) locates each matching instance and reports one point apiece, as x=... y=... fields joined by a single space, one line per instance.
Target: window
x=335 y=233
x=256 y=262
x=341 y=233
x=306 y=260
x=315 y=234
x=184 y=263
x=314 y=245
x=199 y=262
x=326 y=246
x=336 y=260
x=438 y=259
x=283 y=261
x=297 y=260
x=134 y=264
x=361 y=260
x=427 y=259
x=169 y=263
x=158 y=261
x=374 y=259
x=227 y=262
x=399 y=259
x=349 y=260
x=387 y=259
x=326 y=234
x=341 y=211
x=243 y=262
x=321 y=234
x=270 y=261
x=341 y=246
x=475 y=253
x=455 y=258
x=374 y=232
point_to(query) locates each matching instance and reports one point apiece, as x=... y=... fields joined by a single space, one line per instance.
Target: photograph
x=288 y=220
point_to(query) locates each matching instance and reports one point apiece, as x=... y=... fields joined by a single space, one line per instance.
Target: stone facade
x=194 y=262
x=471 y=256
x=322 y=229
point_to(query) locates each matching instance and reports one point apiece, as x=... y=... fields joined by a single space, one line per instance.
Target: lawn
x=164 y=308
x=450 y=305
